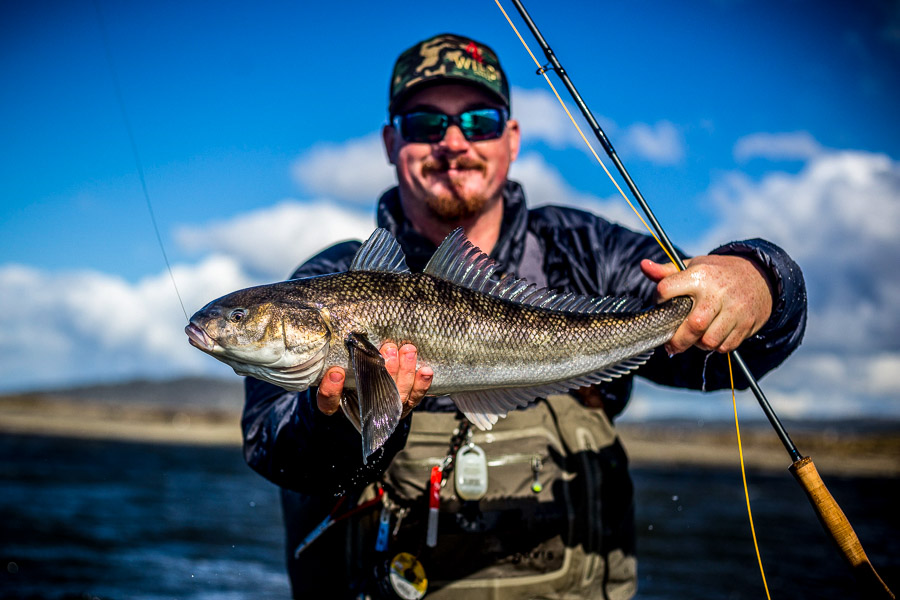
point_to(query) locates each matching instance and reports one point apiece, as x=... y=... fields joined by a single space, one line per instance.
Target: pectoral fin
x=350 y=405
x=379 y=401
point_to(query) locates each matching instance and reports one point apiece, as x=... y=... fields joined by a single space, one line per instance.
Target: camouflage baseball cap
x=447 y=57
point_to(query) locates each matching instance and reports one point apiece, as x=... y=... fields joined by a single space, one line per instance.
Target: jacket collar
x=418 y=249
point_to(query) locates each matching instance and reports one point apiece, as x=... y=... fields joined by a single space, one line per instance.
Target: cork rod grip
x=837 y=525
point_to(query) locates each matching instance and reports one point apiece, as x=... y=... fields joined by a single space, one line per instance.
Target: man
x=554 y=517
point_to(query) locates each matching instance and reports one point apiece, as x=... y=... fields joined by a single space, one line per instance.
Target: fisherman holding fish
x=490 y=466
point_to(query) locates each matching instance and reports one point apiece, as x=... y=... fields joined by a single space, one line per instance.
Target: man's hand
x=401 y=365
x=732 y=300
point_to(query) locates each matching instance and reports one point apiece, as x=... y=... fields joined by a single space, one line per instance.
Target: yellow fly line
x=737 y=428
x=543 y=72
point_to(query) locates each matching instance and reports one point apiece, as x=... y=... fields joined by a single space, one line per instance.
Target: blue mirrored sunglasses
x=428 y=127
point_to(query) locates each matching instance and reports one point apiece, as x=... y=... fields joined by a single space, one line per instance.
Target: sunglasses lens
x=482 y=124
x=423 y=127
x=430 y=127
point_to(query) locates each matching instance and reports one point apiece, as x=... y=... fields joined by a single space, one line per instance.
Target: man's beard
x=455 y=204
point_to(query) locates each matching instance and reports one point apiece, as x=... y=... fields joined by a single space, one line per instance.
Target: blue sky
x=257 y=130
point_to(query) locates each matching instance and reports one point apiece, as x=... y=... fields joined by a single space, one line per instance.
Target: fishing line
x=542 y=70
x=737 y=428
x=120 y=99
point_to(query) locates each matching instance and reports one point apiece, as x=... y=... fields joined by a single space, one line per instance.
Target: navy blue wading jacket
x=291 y=443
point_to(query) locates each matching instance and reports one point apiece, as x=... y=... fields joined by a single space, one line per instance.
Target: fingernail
x=335 y=377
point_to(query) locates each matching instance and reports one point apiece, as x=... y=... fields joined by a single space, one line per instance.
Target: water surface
x=83 y=519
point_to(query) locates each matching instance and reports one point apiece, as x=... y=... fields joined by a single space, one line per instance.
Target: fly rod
x=829 y=513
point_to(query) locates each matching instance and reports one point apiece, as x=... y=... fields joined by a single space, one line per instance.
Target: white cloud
x=826 y=385
x=842 y=205
x=544 y=185
x=88 y=326
x=837 y=218
x=542 y=118
x=798 y=145
x=269 y=243
x=810 y=386
x=353 y=171
x=660 y=143
x=85 y=326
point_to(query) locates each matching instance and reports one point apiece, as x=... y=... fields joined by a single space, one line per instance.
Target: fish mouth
x=199 y=338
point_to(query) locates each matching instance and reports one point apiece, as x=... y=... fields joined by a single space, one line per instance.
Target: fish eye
x=236 y=315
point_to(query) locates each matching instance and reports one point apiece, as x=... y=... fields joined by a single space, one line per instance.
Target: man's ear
x=514 y=138
x=389 y=137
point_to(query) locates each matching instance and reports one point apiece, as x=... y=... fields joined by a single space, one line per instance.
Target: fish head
x=284 y=342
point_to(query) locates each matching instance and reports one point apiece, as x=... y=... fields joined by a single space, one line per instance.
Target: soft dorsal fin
x=380 y=252
x=458 y=261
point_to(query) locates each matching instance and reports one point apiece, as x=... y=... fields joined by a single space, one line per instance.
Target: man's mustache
x=442 y=164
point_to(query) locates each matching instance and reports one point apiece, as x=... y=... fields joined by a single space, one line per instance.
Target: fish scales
x=472 y=340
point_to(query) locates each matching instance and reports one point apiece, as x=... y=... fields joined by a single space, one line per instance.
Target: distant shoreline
x=122 y=422
x=647 y=444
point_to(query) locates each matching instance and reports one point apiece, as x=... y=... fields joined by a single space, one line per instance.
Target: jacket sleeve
x=291 y=443
x=695 y=368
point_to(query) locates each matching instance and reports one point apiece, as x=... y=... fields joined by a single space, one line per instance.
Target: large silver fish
x=494 y=343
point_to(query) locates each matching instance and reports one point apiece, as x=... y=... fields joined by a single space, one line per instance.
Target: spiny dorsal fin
x=380 y=252
x=458 y=261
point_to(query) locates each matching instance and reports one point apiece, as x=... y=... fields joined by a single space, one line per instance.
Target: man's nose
x=454 y=140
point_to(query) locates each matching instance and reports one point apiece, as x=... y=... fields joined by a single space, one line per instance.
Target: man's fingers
x=657 y=271
x=683 y=339
x=406 y=374
x=731 y=342
x=708 y=330
x=420 y=386
x=693 y=328
x=412 y=384
x=391 y=358
x=328 y=398
x=401 y=366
